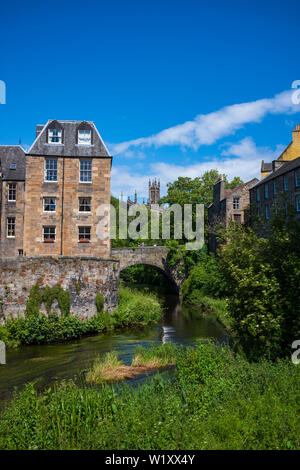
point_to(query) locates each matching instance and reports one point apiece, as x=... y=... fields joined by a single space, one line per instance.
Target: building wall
x=67 y=191
x=11 y=246
x=83 y=277
x=258 y=209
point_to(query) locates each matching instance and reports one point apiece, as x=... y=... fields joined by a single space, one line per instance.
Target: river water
x=46 y=364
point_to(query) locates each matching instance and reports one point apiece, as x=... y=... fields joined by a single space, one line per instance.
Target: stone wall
x=83 y=277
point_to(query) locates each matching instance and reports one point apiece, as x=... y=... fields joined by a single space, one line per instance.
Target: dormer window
x=54 y=136
x=84 y=137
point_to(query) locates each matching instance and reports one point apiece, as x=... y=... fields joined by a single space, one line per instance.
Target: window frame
x=81 y=161
x=285 y=183
x=266 y=190
x=50 y=238
x=258 y=195
x=236 y=203
x=13 y=190
x=86 y=238
x=267 y=212
x=56 y=137
x=49 y=204
x=7 y=227
x=84 y=142
x=297 y=198
x=48 y=159
x=297 y=178
x=81 y=204
x=275 y=189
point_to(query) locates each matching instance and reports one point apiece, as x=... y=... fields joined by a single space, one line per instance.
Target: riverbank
x=136 y=308
x=212 y=306
x=214 y=401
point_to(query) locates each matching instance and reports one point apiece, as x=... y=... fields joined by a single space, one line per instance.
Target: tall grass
x=215 y=401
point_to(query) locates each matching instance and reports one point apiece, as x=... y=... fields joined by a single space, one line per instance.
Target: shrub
x=99 y=302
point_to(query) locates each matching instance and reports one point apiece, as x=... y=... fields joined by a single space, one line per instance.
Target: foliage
x=181 y=259
x=206 y=278
x=47 y=295
x=135 y=308
x=99 y=302
x=263 y=276
x=216 y=400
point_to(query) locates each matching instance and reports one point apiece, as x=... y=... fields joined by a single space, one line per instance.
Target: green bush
x=99 y=302
x=47 y=295
x=263 y=277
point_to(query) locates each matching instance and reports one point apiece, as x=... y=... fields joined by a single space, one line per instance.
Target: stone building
x=279 y=188
x=291 y=152
x=60 y=183
x=153 y=200
x=12 y=199
x=276 y=192
x=227 y=206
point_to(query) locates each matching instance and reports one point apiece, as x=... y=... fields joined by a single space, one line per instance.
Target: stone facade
x=12 y=200
x=277 y=192
x=83 y=277
x=291 y=152
x=227 y=206
x=80 y=170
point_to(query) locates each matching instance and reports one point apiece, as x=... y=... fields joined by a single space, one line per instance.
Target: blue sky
x=161 y=79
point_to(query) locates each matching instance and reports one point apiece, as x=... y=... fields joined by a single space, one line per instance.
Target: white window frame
x=49 y=204
x=84 y=238
x=50 y=169
x=236 y=203
x=49 y=226
x=81 y=137
x=83 y=160
x=79 y=204
x=14 y=190
x=51 y=135
x=7 y=227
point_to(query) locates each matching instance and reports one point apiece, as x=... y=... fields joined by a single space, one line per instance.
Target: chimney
x=277 y=164
x=219 y=190
x=39 y=128
x=296 y=134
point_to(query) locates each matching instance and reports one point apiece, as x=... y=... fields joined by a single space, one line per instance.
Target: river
x=46 y=364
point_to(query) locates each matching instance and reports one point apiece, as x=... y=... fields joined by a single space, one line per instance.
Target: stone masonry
x=83 y=277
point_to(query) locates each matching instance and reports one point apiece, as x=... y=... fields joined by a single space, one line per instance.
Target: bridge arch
x=154 y=256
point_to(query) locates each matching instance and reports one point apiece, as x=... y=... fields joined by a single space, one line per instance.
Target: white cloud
x=206 y=129
x=242 y=159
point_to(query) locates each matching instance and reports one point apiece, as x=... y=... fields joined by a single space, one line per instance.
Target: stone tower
x=154 y=191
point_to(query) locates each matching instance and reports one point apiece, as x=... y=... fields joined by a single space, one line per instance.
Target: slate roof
x=287 y=167
x=69 y=147
x=9 y=155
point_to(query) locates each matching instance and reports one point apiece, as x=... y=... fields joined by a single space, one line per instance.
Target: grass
x=215 y=400
x=135 y=309
x=110 y=369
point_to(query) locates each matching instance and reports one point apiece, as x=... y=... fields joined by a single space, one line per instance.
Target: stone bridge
x=155 y=256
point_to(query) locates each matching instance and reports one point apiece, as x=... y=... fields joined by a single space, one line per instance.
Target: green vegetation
x=109 y=368
x=216 y=400
x=99 y=302
x=47 y=295
x=135 y=309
